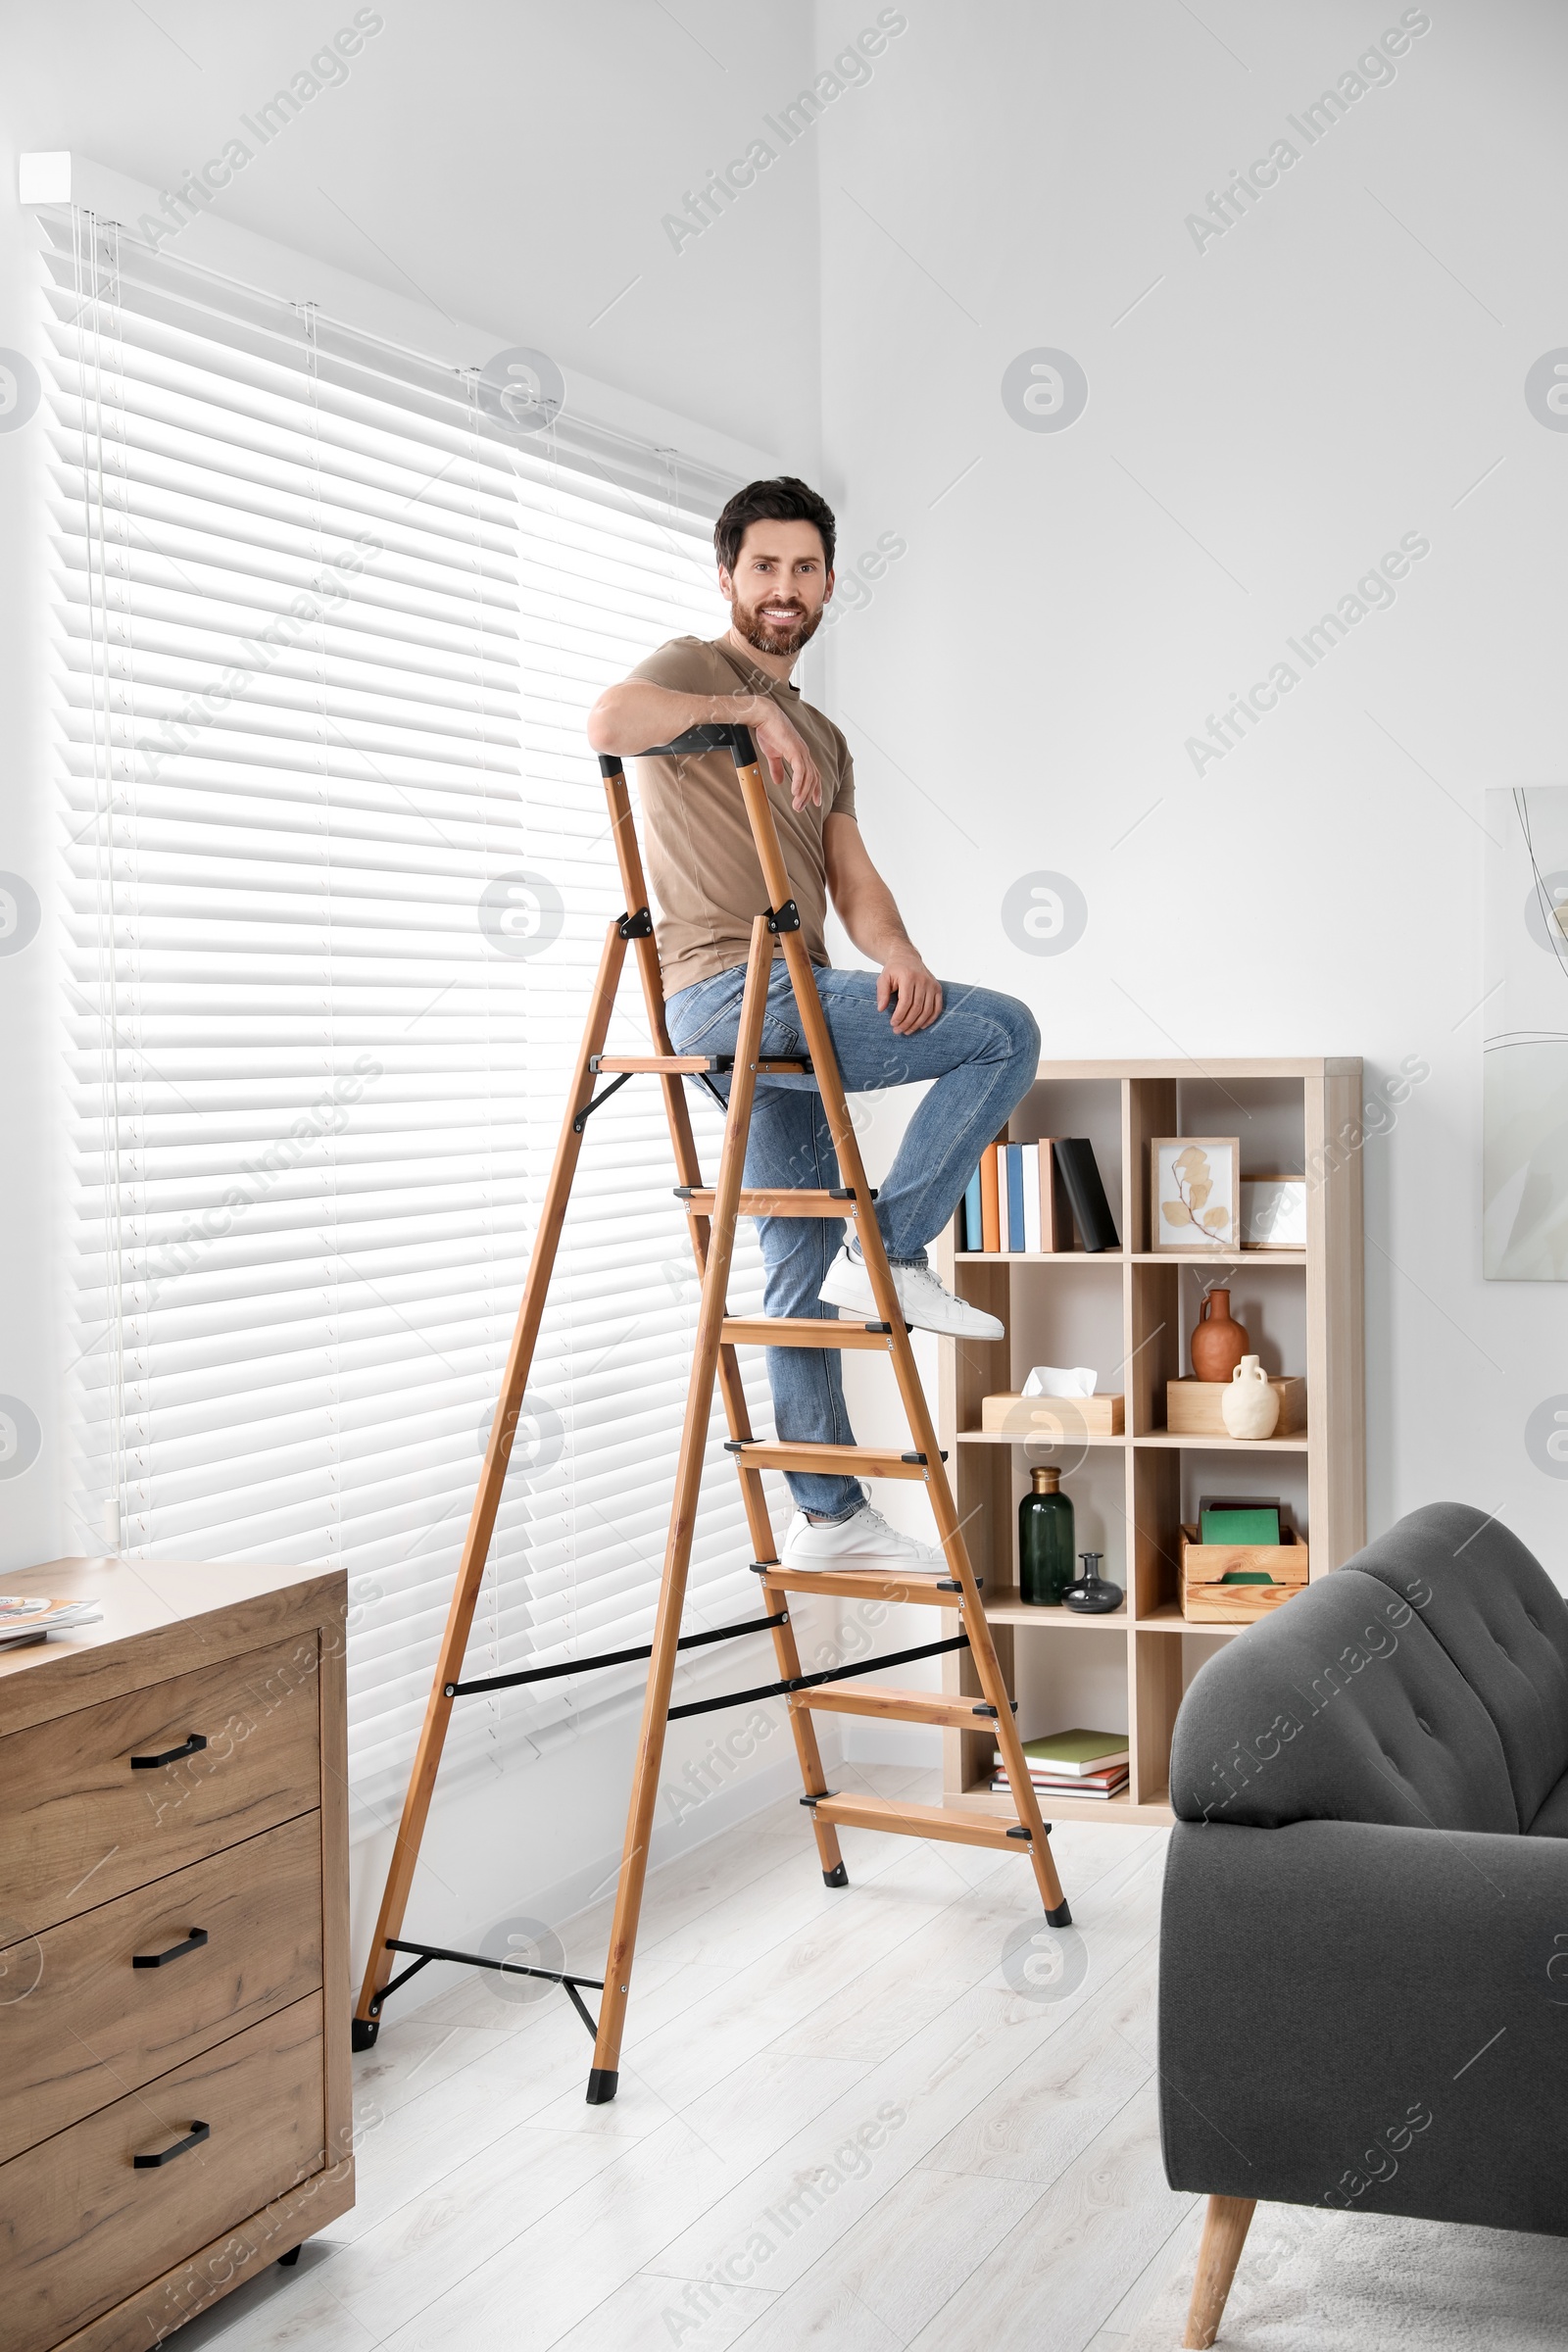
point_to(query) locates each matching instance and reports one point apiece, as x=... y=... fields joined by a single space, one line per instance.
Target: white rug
x=1316 y=2282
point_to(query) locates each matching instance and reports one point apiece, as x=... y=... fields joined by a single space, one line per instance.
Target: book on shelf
x=1074 y=1155
x=1103 y=1785
x=1073 y=1755
x=1093 y=1783
x=25 y=1618
x=971 y=1234
x=1056 y=1210
x=989 y=1200
x=1221 y=1520
x=1031 y=1196
x=1013 y=1222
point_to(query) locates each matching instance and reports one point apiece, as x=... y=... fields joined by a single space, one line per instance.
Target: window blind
x=329 y=620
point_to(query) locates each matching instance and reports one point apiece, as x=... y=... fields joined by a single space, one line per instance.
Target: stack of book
x=25 y=1619
x=1030 y=1196
x=1075 y=1763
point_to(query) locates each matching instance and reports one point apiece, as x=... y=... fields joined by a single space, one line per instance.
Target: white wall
x=1275 y=413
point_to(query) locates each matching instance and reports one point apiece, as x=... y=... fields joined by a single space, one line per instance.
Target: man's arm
x=865 y=906
x=628 y=717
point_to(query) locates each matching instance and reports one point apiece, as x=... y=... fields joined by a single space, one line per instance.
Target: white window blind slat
x=327 y=630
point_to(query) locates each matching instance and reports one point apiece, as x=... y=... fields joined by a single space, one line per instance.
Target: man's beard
x=768 y=637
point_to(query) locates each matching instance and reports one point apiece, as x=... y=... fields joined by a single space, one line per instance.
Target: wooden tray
x=1207 y=1600
x=1193 y=1407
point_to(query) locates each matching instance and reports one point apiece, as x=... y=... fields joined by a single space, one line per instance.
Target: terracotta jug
x=1219 y=1341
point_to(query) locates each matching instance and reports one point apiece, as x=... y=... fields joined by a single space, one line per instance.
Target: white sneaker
x=863 y=1541
x=927 y=1303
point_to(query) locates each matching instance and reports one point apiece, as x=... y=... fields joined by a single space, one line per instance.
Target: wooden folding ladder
x=711 y=1216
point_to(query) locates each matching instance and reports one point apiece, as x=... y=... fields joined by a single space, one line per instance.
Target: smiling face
x=778 y=587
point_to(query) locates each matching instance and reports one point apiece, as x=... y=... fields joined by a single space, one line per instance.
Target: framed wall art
x=1525 y=1092
x=1194 y=1194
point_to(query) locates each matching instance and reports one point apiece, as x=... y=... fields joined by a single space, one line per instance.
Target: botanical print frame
x=1525 y=1092
x=1195 y=1193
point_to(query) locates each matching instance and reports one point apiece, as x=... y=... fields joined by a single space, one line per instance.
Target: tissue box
x=1052 y=1416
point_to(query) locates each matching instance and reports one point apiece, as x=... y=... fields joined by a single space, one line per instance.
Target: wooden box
x=173 y=1855
x=1193 y=1407
x=1207 y=1600
x=1054 y=1416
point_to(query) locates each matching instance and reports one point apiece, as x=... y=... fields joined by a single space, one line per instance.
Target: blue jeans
x=982 y=1052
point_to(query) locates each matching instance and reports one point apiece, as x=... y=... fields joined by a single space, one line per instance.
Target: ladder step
x=782 y=1204
x=804 y=1331
x=900 y=1706
x=859 y=1584
x=852 y=1461
x=922 y=1821
x=677 y=1066
x=641 y=1065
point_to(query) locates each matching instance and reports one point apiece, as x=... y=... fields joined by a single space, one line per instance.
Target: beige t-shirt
x=702 y=860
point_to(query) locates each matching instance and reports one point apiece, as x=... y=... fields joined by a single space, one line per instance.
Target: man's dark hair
x=786 y=499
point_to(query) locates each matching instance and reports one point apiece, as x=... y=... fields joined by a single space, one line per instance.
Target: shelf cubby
x=1129 y=1311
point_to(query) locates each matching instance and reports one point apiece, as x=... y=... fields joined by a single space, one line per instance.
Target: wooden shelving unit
x=1129 y=1313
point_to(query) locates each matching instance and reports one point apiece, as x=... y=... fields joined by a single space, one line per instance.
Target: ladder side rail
x=602 y=2081
x=487 y=1497
x=737 y=1413
x=628 y=857
x=824 y=1062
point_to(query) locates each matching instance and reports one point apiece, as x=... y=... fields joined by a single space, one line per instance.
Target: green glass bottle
x=1044 y=1542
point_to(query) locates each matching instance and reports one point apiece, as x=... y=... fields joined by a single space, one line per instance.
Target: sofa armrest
x=1368 y=2016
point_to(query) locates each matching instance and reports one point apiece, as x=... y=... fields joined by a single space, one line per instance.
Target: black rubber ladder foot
x=603 y=2084
x=365 y=2031
x=286 y=2262
x=1061 y=1917
x=838 y=1876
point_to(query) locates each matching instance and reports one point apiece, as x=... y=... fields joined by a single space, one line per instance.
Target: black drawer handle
x=192 y=1944
x=171 y=1755
x=192 y=2139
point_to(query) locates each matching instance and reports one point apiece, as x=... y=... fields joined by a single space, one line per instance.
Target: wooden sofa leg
x=1224 y=2235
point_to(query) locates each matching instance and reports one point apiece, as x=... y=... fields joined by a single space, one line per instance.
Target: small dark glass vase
x=1044 y=1542
x=1091 y=1595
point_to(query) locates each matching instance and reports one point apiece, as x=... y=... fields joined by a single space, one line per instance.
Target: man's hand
x=866 y=907
x=780 y=745
x=918 y=993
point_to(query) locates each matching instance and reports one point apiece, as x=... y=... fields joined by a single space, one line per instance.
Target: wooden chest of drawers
x=174 y=2095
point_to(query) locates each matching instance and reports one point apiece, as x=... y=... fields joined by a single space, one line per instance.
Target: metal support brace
x=588 y=1108
x=612 y=1657
x=506 y=1968
x=831 y=1674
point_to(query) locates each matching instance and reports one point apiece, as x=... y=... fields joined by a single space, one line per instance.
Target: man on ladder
x=896 y=1026
x=782 y=1043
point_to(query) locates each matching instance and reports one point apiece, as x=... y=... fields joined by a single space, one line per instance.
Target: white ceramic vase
x=1250 y=1406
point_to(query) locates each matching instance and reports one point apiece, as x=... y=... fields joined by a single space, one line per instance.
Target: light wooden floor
x=832 y=2096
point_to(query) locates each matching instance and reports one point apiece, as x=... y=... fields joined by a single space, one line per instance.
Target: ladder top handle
x=737 y=741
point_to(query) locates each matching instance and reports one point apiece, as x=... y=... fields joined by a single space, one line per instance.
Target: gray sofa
x=1364 y=1947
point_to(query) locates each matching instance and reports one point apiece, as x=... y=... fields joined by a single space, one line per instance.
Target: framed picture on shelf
x=1273 y=1212
x=1194 y=1197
